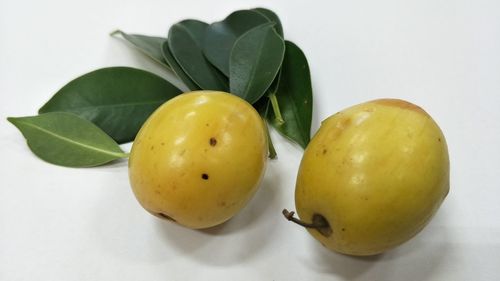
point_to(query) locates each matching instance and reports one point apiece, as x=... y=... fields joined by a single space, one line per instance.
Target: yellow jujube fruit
x=199 y=158
x=372 y=177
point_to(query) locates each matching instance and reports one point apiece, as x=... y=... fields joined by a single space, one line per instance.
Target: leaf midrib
x=299 y=121
x=116 y=154
x=254 y=69
x=118 y=105
x=260 y=51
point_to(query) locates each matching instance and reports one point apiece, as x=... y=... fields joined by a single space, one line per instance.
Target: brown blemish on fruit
x=439 y=139
x=343 y=229
x=222 y=203
x=182 y=152
x=325 y=151
x=152 y=147
x=162 y=143
x=344 y=123
x=213 y=141
x=204 y=176
x=401 y=104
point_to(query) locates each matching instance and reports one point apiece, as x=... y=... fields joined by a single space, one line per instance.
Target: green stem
x=276 y=108
x=272 y=151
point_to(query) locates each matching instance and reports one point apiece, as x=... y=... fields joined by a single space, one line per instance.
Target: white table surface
x=60 y=223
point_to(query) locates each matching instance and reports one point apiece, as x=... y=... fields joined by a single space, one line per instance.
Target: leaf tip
x=12 y=120
x=42 y=109
x=116 y=32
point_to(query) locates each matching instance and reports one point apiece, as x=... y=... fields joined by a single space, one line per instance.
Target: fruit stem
x=272 y=151
x=290 y=216
x=276 y=108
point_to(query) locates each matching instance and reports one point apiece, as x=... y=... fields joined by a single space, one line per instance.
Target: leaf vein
x=115 y=154
x=118 y=105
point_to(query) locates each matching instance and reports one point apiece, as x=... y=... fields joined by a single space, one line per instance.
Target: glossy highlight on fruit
x=372 y=177
x=199 y=158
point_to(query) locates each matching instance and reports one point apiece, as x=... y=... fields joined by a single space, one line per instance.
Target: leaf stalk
x=276 y=108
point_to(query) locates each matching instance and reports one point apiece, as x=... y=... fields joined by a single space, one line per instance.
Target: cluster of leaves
x=244 y=54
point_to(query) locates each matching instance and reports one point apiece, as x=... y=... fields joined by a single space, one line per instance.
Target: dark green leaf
x=262 y=106
x=65 y=139
x=255 y=60
x=185 y=42
x=148 y=45
x=176 y=68
x=220 y=36
x=294 y=97
x=273 y=17
x=274 y=86
x=116 y=99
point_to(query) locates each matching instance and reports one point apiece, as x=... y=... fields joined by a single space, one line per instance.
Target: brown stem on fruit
x=318 y=222
x=290 y=216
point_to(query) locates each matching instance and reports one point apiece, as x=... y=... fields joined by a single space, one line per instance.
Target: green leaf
x=185 y=42
x=220 y=36
x=272 y=17
x=176 y=68
x=255 y=60
x=116 y=99
x=294 y=97
x=65 y=139
x=148 y=45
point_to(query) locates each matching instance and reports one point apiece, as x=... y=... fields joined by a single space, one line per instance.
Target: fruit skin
x=199 y=158
x=377 y=172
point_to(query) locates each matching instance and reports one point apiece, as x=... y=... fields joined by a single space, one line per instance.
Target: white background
x=60 y=223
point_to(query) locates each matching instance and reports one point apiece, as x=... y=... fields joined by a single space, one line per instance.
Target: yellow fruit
x=199 y=158
x=372 y=177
